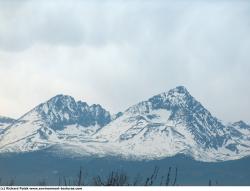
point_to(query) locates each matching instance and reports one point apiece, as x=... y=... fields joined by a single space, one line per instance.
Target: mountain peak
x=62 y=110
x=241 y=124
x=179 y=90
x=178 y=96
x=61 y=97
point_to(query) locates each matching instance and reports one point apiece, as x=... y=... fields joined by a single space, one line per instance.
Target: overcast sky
x=117 y=53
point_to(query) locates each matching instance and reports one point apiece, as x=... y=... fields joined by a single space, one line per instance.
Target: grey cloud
x=113 y=48
x=77 y=22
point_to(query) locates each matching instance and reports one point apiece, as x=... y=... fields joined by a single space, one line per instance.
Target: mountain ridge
x=166 y=124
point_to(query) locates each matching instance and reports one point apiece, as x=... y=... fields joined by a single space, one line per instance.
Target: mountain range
x=165 y=125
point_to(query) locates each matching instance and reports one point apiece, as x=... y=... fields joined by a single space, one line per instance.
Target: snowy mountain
x=60 y=118
x=172 y=123
x=5 y=122
x=167 y=124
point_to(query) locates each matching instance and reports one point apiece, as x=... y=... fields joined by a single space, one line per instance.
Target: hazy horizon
x=118 y=53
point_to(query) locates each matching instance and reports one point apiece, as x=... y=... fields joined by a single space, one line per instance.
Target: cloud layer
x=117 y=53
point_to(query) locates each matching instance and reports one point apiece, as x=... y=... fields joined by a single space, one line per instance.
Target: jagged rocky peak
x=59 y=109
x=63 y=110
x=180 y=90
x=6 y=119
x=177 y=97
x=241 y=124
x=62 y=100
x=59 y=103
x=98 y=110
x=102 y=116
x=83 y=106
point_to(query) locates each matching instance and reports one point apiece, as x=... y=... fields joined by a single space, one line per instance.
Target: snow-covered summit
x=173 y=98
x=63 y=110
